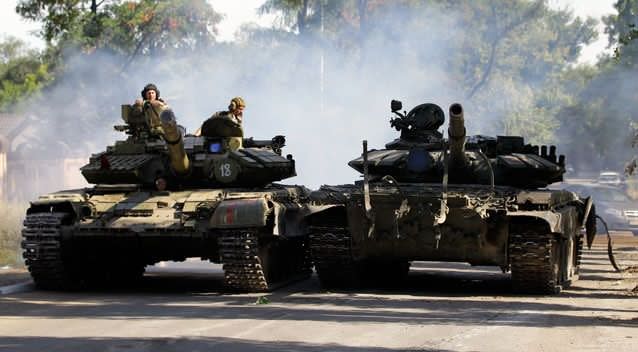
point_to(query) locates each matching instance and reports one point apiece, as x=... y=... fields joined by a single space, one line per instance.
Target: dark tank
x=163 y=195
x=475 y=199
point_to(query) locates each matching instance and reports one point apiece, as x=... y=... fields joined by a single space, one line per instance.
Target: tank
x=162 y=195
x=475 y=199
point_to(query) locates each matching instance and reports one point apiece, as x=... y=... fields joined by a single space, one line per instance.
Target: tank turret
x=162 y=150
x=422 y=154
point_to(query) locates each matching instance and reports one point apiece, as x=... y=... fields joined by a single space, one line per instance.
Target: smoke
x=325 y=96
x=597 y=129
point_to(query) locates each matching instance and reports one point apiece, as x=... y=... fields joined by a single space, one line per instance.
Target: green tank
x=161 y=195
x=475 y=199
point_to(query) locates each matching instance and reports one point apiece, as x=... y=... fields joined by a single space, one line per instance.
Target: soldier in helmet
x=151 y=94
x=235 y=110
x=150 y=104
x=226 y=124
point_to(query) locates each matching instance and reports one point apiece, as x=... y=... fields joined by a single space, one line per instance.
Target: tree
x=22 y=73
x=59 y=17
x=344 y=21
x=498 y=57
x=132 y=28
x=159 y=27
x=294 y=13
x=603 y=111
x=621 y=30
x=96 y=48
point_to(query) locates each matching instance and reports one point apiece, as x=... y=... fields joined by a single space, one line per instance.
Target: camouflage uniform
x=152 y=109
x=234 y=142
x=227 y=114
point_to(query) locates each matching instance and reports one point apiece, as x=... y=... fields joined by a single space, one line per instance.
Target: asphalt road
x=442 y=307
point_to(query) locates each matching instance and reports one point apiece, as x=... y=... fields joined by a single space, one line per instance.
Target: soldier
x=235 y=110
x=151 y=94
x=150 y=104
x=233 y=131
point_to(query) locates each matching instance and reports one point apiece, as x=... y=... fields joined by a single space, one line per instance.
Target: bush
x=11 y=217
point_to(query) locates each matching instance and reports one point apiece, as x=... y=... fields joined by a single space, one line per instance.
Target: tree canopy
x=23 y=72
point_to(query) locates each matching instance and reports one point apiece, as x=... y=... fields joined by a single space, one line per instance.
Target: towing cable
x=610 y=252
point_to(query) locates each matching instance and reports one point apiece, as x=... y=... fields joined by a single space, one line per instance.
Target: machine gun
x=138 y=124
x=276 y=143
x=418 y=125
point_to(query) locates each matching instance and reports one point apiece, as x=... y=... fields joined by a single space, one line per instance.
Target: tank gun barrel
x=456 y=134
x=173 y=138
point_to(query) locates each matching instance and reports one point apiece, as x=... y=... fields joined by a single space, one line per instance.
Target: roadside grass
x=11 y=217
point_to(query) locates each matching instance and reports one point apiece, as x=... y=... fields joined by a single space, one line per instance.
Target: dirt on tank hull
x=367 y=233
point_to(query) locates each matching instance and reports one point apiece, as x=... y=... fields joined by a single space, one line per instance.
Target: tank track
x=578 y=255
x=532 y=263
x=250 y=267
x=331 y=249
x=42 y=244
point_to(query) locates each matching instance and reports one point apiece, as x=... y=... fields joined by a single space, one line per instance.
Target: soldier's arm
x=138 y=106
x=157 y=104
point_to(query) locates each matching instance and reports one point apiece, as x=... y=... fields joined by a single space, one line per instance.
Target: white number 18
x=225 y=170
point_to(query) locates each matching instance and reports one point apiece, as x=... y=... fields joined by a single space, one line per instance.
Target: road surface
x=442 y=307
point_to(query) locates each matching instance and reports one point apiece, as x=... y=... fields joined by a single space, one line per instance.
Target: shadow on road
x=427 y=298
x=217 y=344
x=434 y=294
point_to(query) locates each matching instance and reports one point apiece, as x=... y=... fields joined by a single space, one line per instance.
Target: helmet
x=235 y=103
x=148 y=87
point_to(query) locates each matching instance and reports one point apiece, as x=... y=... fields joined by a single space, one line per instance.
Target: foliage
x=621 y=31
x=142 y=27
x=597 y=122
x=58 y=16
x=92 y=50
x=11 y=216
x=158 y=27
x=517 y=59
x=23 y=73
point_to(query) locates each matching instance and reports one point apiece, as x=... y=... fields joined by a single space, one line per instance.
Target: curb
x=17 y=288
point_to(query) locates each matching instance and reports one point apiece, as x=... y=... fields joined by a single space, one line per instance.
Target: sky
x=237 y=13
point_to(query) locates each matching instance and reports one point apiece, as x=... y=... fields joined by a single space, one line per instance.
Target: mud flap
x=369 y=211
x=590 y=222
